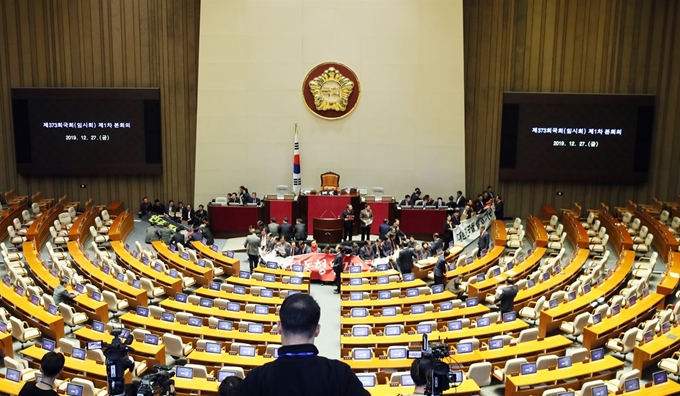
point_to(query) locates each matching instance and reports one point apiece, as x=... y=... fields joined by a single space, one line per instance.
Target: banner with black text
x=468 y=230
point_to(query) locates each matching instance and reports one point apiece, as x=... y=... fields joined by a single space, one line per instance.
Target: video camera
x=117 y=360
x=439 y=376
x=159 y=383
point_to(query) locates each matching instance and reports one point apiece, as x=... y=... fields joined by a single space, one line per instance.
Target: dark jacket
x=506 y=300
x=286 y=230
x=301 y=232
x=483 y=242
x=405 y=260
x=300 y=371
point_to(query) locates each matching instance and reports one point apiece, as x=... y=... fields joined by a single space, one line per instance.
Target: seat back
x=480 y=373
x=643 y=232
x=528 y=335
x=587 y=387
x=66 y=313
x=675 y=224
x=14 y=364
x=626 y=375
x=546 y=361
x=88 y=386
x=512 y=366
x=238 y=371
x=173 y=344
x=635 y=225
x=17 y=328
x=580 y=322
x=67 y=344
x=396 y=377
x=577 y=354
x=330 y=180
x=199 y=370
x=111 y=300
x=65 y=218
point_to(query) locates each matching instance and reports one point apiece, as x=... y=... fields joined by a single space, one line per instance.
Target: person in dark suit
x=452 y=203
x=273 y=227
x=440 y=269
x=170 y=209
x=378 y=249
x=506 y=299
x=245 y=196
x=455 y=219
x=405 y=260
x=366 y=251
x=338 y=268
x=207 y=234
x=384 y=229
x=437 y=244
x=304 y=248
x=499 y=207
x=387 y=248
x=286 y=230
x=406 y=201
x=415 y=196
x=256 y=200
x=188 y=214
x=440 y=203
x=144 y=207
x=448 y=229
x=200 y=215
x=489 y=190
x=478 y=204
x=348 y=222
x=483 y=241
x=157 y=208
x=460 y=199
x=178 y=212
x=252 y=245
x=300 y=230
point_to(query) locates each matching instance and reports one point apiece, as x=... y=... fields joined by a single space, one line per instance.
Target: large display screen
x=87 y=130
x=576 y=137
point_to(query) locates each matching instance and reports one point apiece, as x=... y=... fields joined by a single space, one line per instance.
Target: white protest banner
x=468 y=230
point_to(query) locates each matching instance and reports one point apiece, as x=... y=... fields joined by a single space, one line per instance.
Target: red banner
x=321 y=265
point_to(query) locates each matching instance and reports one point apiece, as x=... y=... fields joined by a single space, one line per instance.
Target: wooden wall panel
x=583 y=46
x=112 y=43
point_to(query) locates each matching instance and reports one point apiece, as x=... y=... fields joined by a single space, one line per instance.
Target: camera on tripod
x=117 y=360
x=438 y=374
x=159 y=383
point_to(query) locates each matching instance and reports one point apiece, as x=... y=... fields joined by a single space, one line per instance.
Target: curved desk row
x=550 y=319
x=96 y=310
x=105 y=281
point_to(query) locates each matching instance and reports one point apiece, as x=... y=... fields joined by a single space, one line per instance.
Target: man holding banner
x=483 y=242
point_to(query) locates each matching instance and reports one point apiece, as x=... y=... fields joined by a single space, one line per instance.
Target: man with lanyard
x=51 y=365
x=299 y=370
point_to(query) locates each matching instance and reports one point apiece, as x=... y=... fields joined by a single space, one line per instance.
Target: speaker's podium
x=327 y=230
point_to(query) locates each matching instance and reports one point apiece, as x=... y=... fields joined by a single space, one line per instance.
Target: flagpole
x=297 y=180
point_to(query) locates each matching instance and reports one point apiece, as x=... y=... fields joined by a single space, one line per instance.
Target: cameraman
x=420 y=370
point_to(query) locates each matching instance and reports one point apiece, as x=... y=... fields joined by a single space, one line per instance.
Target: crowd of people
x=464 y=206
x=196 y=222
